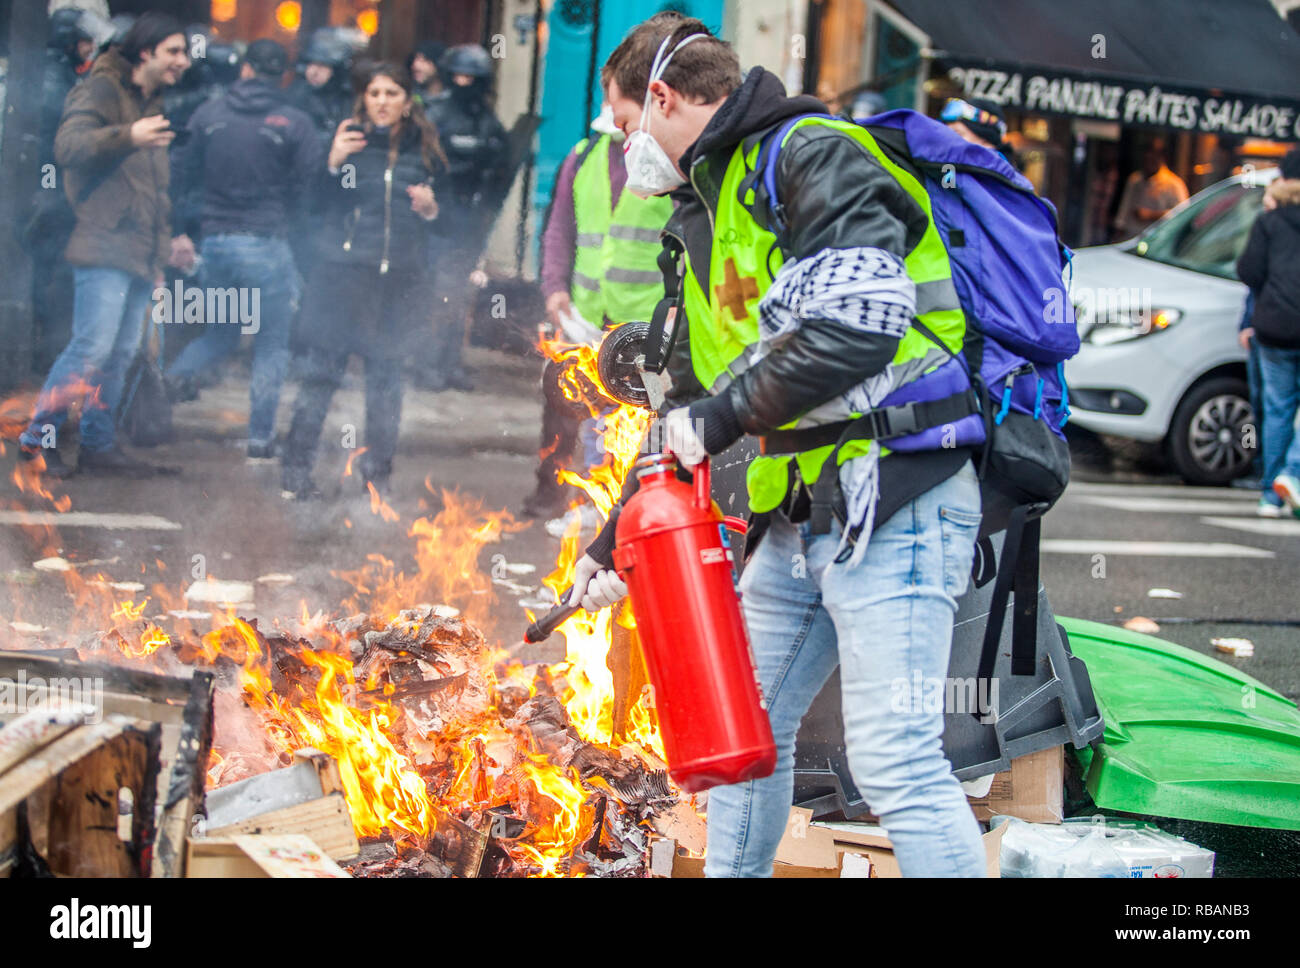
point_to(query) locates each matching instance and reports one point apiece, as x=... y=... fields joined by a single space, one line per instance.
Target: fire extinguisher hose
x=542 y=629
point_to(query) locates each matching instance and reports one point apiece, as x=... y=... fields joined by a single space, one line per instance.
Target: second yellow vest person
x=615 y=273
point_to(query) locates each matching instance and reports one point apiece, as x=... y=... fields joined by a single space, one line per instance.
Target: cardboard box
x=871 y=842
x=304 y=798
x=1033 y=789
x=806 y=850
x=285 y=855
x=811 y=849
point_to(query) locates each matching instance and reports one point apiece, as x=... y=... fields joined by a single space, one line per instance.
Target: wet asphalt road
x=1123 y=529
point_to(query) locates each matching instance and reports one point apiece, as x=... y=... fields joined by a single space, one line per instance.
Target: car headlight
x=1116 y=326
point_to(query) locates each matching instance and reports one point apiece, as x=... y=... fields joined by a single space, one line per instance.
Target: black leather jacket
x=836 y=196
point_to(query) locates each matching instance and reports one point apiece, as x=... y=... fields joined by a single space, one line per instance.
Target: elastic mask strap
x=657 y=70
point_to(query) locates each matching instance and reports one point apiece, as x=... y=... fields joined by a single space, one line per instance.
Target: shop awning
x=1213 y=66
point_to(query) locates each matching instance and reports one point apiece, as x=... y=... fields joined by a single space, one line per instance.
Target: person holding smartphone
x=370 y=286
x=111 y=149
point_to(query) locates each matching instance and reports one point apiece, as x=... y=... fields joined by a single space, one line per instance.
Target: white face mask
x=650 y=171
x=604 y=124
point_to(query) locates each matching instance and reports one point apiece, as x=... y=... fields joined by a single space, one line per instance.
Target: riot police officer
x=323 y=89
x=479 y=175
x=74 y=37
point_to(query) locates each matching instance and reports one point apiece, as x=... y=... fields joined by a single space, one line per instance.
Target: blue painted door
x=568 y=80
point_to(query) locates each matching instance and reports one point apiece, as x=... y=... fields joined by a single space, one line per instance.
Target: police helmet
x=223 y=62
x=121 y=25
x=470 y=59
x=68 y=28
x=326 y=47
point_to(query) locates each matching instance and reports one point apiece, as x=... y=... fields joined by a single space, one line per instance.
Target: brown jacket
x=118 y=192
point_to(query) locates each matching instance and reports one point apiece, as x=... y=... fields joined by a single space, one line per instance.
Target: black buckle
x=896 y=421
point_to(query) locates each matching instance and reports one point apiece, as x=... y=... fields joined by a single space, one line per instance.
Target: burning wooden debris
x=452 y=759
x=446 y=759
x=515 y=790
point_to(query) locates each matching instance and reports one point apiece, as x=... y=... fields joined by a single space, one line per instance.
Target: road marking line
x=89 y=519
x=1170 y=505
x=1161 y=490
x=1152 y=549
x=1281 y=528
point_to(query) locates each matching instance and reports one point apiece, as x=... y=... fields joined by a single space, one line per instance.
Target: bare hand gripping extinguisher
x=672 y=551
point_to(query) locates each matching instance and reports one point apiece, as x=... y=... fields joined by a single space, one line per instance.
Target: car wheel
x=1207 y=434
x=1088 y=449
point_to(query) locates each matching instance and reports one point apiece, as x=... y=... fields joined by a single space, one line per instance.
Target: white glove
x=680 y=438
x=578 y=330
x=595 y=586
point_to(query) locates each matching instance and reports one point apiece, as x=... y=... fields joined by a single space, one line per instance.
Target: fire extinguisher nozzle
x=542 y=629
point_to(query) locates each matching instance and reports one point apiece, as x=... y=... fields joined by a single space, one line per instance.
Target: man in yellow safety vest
x=823 y=319
x=598 y=270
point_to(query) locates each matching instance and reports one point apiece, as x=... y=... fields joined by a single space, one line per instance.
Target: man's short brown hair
x=704 y=71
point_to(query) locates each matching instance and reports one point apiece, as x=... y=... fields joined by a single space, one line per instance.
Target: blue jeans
x=258 y=265
x=108 y=312
x=1256 y=390
x=1280 y=373
x=1256 y=384
x=882 y=622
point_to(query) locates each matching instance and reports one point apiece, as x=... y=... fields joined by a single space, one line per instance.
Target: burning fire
x=390 y=769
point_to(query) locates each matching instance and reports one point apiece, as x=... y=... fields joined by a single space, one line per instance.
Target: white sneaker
x=1267 y=510
x=585 y=517
x=1288 y=489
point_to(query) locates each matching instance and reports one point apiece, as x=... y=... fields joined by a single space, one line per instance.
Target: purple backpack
x=1007 y=264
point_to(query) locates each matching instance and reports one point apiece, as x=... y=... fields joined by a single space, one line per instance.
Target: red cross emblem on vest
x=734 y=291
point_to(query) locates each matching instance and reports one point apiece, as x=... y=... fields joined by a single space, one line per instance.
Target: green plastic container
x=1186 y=736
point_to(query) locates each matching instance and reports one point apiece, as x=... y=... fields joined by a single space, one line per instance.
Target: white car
x=1159 y=317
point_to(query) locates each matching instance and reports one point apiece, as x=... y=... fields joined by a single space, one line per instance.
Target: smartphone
x=355 y=128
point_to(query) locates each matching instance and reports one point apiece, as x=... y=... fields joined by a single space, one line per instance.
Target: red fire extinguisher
x=672 y=551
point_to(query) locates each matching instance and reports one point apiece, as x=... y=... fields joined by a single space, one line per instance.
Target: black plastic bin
x=1052 y=707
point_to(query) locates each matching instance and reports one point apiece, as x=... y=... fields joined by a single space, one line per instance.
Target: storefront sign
x=1131 y=103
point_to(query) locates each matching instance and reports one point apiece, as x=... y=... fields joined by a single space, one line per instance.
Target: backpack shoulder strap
x=670 y=267
x=764 y=176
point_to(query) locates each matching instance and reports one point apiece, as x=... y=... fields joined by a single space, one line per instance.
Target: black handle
x=541 y=630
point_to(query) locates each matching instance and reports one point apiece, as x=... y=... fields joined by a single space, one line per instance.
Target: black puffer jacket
x=1271 y=266
x=368 y=220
